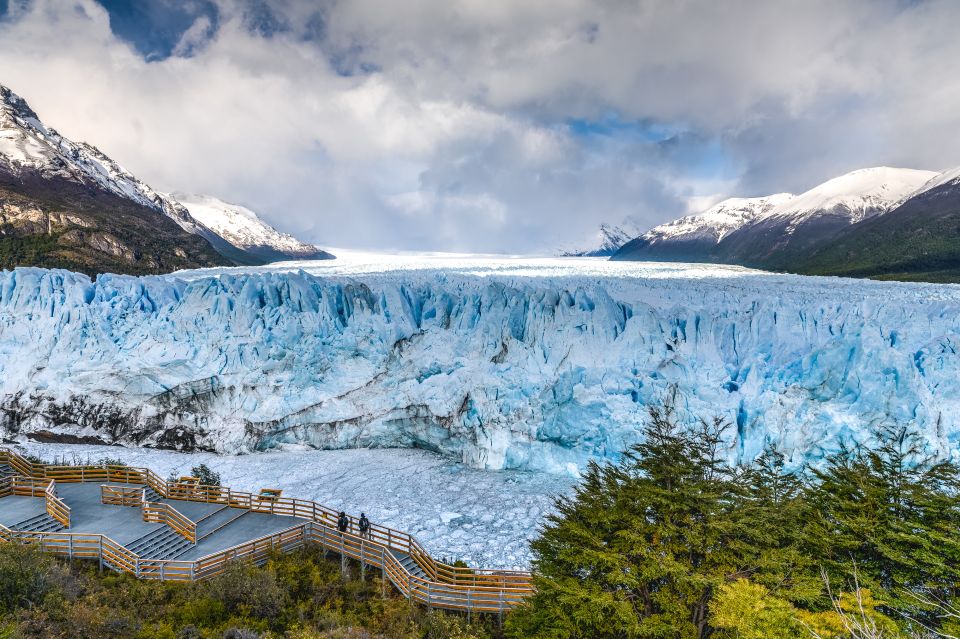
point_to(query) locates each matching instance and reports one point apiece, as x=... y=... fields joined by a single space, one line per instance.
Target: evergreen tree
x=775 y=511
x=642 y=546
x=892 y=513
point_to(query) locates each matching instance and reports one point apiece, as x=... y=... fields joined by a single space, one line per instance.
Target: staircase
x=6 y=471
x=407 y=562
x=152 y=495
x=162 y=543
x=218 y=520
x=40 y=523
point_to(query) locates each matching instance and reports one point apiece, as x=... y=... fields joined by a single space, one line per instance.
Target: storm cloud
x=489 y=125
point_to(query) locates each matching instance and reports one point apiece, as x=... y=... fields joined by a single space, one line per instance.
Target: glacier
x=502 y=363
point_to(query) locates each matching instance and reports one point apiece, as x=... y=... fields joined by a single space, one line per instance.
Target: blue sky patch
x=155 y=27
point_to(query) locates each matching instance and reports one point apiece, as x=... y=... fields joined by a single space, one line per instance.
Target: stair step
x=216 y=525
x=162 y=543
x=39 y=523
x=210 y=515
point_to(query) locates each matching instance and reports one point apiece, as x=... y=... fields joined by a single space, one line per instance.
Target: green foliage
x=301 y=596
x=206 y=476
x=744 y=610
x=892 y=513
x=643 y=545
x=673 y=542
x=29 y=249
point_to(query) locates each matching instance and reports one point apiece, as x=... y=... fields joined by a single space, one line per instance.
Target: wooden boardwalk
x=131 y=520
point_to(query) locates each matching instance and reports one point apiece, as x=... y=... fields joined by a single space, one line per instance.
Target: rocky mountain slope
x=69 y=205
x=779 y=232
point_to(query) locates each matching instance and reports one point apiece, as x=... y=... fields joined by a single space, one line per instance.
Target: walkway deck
x=175 y=531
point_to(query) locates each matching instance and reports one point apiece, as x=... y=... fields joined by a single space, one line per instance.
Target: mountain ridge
x=786 y=236
x=38 y=166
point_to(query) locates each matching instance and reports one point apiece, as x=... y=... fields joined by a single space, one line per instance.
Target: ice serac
x=533 y=368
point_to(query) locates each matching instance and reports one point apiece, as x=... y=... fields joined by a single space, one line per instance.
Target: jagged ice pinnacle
x=533 y=364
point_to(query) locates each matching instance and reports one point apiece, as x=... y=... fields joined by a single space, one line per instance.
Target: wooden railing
x=46 y=488
x=445 y=586
x=166 y=514
x=77 y=546
x=122 y=495
x=29 y=487
x=56 y=508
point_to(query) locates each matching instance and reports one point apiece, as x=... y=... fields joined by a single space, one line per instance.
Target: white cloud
x=457 y=140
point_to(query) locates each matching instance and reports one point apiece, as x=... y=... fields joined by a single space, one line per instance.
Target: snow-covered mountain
x=777 y=230
x=697 y=235
x=31 y=153
x=855 y=196
x=244 y=229
x=919 y=239
x=605 y=242
x=26 y=144
x=500 y=363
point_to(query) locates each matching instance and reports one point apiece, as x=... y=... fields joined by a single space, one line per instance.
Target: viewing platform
x=131 y=520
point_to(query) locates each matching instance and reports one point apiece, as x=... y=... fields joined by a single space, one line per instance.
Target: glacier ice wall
x=502 y=371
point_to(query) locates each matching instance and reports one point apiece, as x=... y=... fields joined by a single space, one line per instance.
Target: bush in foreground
x=297 y=596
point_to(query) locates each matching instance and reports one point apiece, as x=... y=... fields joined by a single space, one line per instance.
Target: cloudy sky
x=489 y=125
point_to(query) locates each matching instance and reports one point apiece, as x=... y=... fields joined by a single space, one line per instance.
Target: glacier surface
x=515 y=363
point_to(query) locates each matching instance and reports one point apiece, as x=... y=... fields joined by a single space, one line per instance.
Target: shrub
x=206 y=476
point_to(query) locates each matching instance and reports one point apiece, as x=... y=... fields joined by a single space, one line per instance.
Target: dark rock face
x=57 y=223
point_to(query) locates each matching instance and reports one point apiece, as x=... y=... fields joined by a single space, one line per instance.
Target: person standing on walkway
x=364 y=526
x=343 y=524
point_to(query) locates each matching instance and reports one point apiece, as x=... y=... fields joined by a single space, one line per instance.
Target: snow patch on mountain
x=719 y=220
x=951 y=176
x=857 y=195
x=243 y=228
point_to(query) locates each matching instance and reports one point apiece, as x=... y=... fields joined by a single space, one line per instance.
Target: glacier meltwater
x=534 y=364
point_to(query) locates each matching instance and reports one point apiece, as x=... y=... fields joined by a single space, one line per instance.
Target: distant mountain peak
x=782 y=231
x=244 y=229
x=606 y=240
x=28 y=146
x=858 y=195
x=719 y=220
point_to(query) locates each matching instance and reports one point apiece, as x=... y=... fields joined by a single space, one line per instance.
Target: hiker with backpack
x=343 y=523
x=364 y=526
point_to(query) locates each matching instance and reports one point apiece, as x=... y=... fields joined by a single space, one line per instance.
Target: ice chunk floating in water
x=503 y=363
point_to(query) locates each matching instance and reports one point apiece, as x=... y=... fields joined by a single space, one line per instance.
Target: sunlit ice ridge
x=502 y=362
